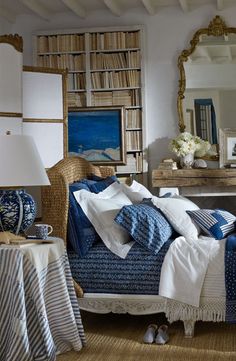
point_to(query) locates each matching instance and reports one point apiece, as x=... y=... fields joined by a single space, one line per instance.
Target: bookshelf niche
x=105 y=68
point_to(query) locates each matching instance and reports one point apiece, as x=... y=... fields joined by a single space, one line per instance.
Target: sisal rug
x=113 y=337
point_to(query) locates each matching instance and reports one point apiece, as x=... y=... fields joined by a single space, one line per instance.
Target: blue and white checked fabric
x=39 y=314
x=216 y=223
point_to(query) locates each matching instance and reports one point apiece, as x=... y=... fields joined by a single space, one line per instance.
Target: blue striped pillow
x=216 y=223
x=146 y=224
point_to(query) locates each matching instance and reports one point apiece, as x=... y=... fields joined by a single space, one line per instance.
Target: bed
x=137 y=294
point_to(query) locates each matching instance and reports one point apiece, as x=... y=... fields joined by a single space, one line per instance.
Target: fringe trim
x=211 y=310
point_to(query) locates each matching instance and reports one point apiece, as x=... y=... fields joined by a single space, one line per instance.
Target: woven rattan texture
x=55 y=198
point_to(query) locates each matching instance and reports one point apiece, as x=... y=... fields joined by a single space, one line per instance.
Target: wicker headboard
x=55 y=198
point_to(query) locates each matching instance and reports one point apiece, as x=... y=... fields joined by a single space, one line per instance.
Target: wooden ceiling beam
x=7 y=14
x=149 y=7
x=114 y=7
x=220 y=4
x=76 y=7
x=184 y=5
x=37 y=8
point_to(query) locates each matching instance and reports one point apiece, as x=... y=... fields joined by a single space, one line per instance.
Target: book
x=25 y=243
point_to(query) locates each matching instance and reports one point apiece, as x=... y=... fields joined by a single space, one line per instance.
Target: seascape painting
x=97 y=134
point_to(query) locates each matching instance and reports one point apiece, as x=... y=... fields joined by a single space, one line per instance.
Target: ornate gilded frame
x=15 y=40
x=217 y=27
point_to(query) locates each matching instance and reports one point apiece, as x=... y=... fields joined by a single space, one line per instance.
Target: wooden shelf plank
x=193 y=177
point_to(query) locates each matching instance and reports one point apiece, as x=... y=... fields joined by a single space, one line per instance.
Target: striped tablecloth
x=39 y=313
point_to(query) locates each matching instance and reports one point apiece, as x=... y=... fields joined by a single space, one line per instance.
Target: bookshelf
x=105 y=68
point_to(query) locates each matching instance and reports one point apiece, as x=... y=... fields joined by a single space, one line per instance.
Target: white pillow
x=136 y=192
x=174 y=209
x=101 y=209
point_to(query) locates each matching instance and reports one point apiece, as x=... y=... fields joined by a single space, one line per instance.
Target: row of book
x=133 y=118
x=76 y=99
x=76 y=42
x=130 y=97
x=63 y=61
x=115 y=79
x=133 y=140
x=58 y=43
x=130 y=59
x=122 y=97
x=134 y=164
x=76 y=81
x=114 y=40
x=98 y=61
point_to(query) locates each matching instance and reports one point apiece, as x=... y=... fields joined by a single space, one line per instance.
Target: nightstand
x=39 y=314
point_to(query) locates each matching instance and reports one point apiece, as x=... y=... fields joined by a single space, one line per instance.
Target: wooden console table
x=206 y=182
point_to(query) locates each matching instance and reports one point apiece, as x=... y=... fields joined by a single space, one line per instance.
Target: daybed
x=55 y=205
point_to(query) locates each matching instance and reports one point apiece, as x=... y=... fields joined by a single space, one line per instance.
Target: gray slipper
x=149 y=336
x=162 y=336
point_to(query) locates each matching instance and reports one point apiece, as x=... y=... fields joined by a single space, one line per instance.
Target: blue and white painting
x=95 y=135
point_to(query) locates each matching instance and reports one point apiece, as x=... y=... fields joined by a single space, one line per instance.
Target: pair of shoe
x=158 y=335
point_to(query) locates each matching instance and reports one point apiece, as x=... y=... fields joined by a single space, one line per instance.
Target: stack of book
x=130 y=166
x=168 y=164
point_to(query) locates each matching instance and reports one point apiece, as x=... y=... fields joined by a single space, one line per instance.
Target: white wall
x=228 y=109
x=167 y=34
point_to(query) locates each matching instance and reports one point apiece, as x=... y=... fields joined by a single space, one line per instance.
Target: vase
x=17 y=210
x=186 y=161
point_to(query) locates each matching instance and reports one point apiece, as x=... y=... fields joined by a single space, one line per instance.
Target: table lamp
x=20 y=166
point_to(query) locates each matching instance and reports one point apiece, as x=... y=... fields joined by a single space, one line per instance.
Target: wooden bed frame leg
x=189 y=328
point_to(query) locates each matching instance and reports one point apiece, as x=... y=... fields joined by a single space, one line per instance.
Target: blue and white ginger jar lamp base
x=17 y=211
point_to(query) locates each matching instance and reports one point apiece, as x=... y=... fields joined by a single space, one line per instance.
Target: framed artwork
x=97 y=134
x=227 y=147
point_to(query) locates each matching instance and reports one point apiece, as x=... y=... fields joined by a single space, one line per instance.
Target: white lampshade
x=20 y=162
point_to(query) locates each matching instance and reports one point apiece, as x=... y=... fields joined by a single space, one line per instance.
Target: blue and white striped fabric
x=39 y=314
x=216 y=223
x=146 y=224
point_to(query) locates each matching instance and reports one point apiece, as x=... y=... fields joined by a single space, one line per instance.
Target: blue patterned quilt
x=100 y=271
x=230 y=278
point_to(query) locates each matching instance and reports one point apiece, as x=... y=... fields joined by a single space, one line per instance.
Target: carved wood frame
x=15 y=40
x=217 y=27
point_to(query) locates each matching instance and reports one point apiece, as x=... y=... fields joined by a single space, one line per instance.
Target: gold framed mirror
x=207 y=83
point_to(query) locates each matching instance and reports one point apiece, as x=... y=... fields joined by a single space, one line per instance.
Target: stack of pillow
x=104 y=209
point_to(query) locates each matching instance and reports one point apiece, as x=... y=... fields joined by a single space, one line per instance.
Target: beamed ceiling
x=46 y=9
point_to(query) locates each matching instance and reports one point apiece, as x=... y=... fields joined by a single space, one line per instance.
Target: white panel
x=42 y=95
x=14 y=125
x=11 y=79
x=49 y=140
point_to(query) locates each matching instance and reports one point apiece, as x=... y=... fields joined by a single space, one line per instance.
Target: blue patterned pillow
x=146 y=224
x=98 y=184
x=216 y=223
x=81 y=233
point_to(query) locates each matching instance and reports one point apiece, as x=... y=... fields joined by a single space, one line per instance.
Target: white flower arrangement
x=186 y=143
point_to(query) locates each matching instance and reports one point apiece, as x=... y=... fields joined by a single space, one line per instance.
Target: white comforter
x=193 y=269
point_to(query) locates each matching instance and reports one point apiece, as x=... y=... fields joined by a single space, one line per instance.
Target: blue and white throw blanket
x=39 y=314
x=101 y=271
x=230 y=278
